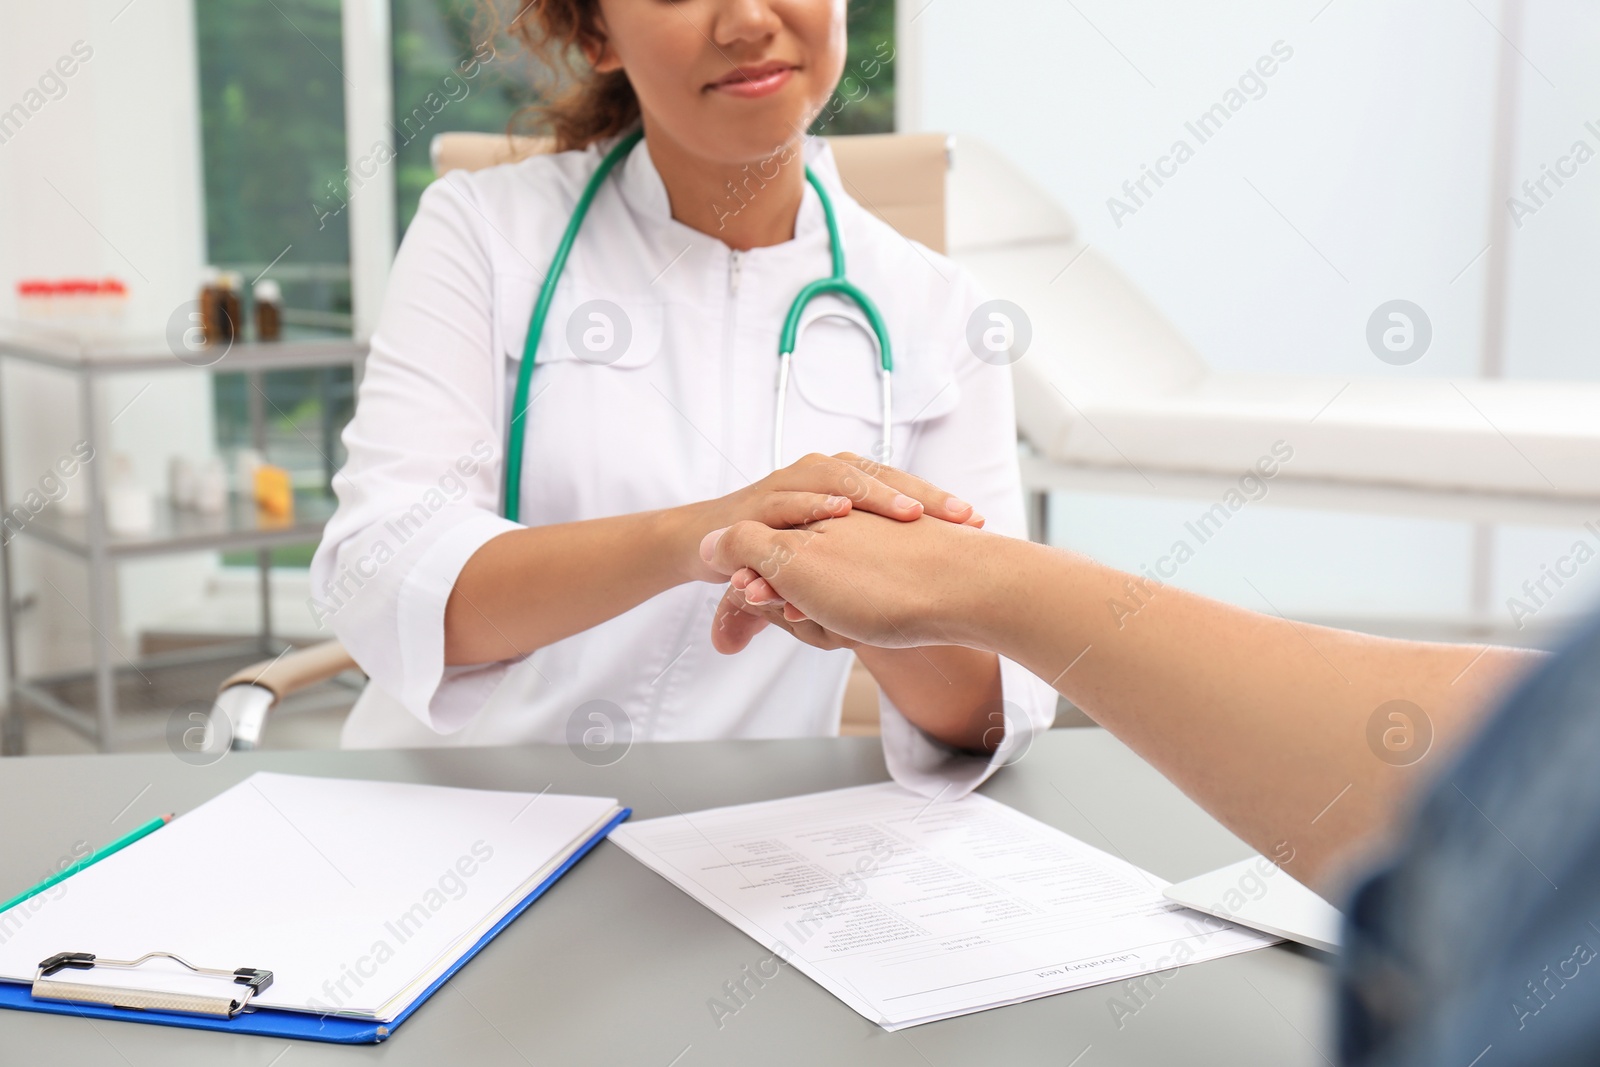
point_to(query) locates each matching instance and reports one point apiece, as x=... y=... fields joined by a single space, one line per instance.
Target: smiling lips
x=751 y=82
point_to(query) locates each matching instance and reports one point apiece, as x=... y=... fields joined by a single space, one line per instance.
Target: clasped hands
x=845 y=551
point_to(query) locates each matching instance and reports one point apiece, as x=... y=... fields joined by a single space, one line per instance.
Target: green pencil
x=94 y=857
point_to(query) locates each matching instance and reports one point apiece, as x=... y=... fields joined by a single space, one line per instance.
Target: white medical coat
x=683 y=412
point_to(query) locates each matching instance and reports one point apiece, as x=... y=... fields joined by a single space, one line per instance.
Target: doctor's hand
x=818 y=487
x=858 y=579
x=740 y=616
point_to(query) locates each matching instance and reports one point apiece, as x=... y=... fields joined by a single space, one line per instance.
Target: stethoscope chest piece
x=883 y=447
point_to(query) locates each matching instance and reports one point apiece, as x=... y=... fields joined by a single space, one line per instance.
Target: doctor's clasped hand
x=646 y=553
x=815 y=488
x=858 y=587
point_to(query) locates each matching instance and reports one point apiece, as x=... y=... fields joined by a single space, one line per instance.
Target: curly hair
x=586 y=105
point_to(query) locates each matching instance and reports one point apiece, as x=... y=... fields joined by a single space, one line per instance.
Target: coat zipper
x=730 y=369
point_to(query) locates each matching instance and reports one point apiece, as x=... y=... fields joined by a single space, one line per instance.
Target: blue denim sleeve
x=1478 y=944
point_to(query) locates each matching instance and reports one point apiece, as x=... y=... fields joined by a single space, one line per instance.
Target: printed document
x=911 y=910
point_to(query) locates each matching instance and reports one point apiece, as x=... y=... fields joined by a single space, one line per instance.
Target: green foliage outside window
x=272 y=129
x=273 y=155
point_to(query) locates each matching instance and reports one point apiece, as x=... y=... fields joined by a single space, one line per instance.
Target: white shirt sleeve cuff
x=444 y=698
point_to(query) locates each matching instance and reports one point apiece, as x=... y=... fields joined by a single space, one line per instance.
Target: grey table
x=615 y=966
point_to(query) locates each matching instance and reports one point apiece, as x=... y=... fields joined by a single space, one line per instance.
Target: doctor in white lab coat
x=650 y=422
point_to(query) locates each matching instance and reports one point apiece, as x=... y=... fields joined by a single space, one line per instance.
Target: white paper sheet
x=355 y=894
x=1258 y=894
x=911 y=911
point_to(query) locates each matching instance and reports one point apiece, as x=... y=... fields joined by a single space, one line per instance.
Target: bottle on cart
x=269 y=310
x=231 y=311
x=211 y=488
x=130 y=509
x=211 y=304
x=221 y=315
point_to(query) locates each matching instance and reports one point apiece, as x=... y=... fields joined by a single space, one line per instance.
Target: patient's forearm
x=1279 y=729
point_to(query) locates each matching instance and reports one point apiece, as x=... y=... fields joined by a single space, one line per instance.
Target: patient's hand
x=857 y=579
x=814 y=488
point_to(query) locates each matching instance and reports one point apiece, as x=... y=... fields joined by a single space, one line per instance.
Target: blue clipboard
x=272 y=1022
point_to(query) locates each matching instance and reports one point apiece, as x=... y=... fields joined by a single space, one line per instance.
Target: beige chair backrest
x=898 y=177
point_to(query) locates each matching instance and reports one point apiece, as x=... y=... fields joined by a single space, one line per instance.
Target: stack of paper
x=357 y=895
x=911 y=911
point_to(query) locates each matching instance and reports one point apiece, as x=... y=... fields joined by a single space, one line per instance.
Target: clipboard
x=274 y=1022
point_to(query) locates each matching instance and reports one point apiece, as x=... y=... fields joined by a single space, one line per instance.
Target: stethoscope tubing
x=836 y=283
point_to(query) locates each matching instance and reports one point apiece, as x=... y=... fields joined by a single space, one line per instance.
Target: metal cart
x=88 y=700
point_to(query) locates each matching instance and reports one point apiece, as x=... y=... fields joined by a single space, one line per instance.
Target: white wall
x=103 y=181
x=1360 y=174
x=1556 y=251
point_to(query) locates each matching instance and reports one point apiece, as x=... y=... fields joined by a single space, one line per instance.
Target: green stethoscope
x=834 y=283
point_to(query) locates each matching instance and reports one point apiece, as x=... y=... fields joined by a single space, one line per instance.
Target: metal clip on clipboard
x=220 y=1005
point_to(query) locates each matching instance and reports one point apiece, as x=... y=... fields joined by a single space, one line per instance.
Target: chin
x=753 y=135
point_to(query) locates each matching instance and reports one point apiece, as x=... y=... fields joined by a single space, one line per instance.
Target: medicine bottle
x=269 y=310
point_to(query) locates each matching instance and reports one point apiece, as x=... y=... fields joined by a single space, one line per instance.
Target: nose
x=744 y=22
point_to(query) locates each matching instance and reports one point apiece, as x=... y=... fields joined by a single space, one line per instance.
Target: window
x=272 y=123
x=864 y=102
x=432 y=39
